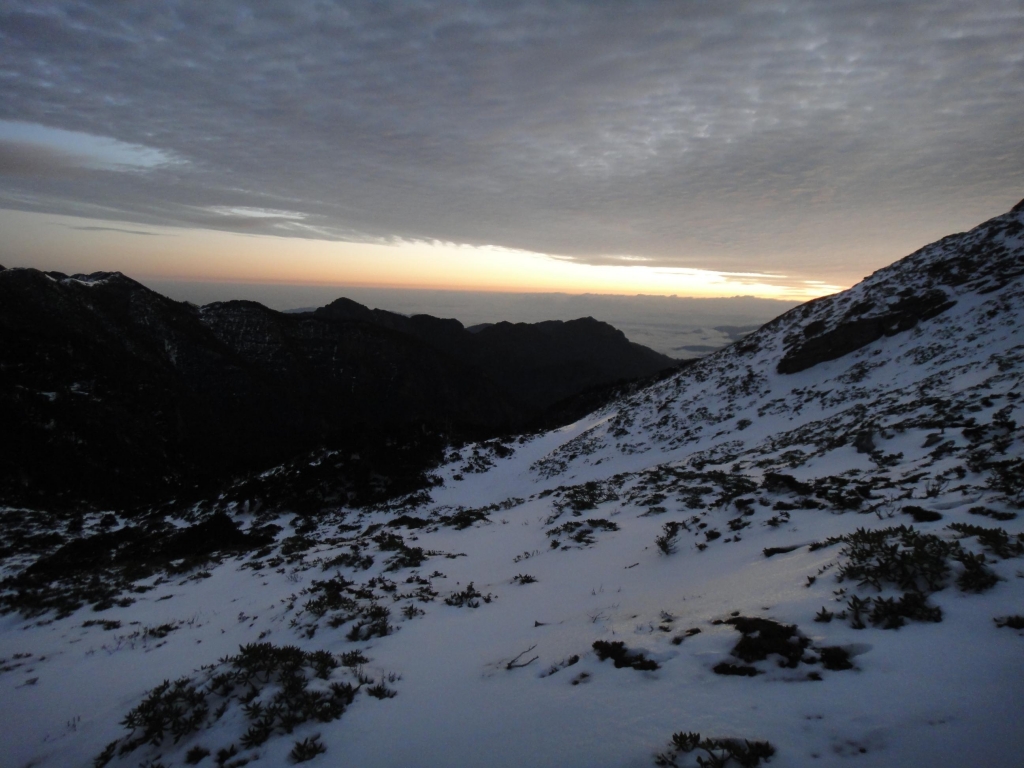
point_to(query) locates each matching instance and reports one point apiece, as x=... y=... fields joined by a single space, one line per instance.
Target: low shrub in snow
x=470 y=597
x=277 y=689
x=307 y=749
x=622 y=657
x=718 y=753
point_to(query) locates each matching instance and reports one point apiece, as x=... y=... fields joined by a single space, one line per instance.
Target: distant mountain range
x=113 y=394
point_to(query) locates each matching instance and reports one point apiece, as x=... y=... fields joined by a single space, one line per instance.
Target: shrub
x=835 y=658
x=741 y=670
x=995 y=540
x=381 y=691
x=901 y=555
x=985 y=512
x=670 y=532
x=920 y=514
x=178 y=708
x=182 y=707
x=976 y=576
x=307 y=749
x=720 y=752
x=762 y=637
x=582 y=531
x=469 y=598
x=353 y=659
x=623 y=657
x=106 y=755
x=772 y=551
x=375 y=623
x=917 y=563
x=678 y=639
x=196 y=754
x=571 y=661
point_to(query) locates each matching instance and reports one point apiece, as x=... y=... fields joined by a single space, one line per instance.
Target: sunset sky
x=778 y=149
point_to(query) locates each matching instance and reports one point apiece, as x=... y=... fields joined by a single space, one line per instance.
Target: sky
x=776 y=149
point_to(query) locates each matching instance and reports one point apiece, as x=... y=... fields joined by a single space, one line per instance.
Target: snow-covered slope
x=853 y=470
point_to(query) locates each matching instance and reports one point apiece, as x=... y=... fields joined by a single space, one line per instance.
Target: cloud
x=115 y=229
x=734 y=136
x=36 y=149
x=33 y=161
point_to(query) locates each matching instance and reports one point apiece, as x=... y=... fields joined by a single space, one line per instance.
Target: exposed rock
x=851 y=335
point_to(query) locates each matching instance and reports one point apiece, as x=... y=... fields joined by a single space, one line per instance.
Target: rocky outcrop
x=850 y=335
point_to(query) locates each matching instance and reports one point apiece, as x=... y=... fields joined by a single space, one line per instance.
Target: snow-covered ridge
x=978 y=273
x=825 y=559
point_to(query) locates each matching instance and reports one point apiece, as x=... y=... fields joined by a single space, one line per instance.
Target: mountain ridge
x=195 y=394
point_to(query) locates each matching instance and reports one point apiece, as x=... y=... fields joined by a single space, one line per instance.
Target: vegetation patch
x=890 y=613
x=101 y=568
x=407 y=521
x=718 y=753
x=623 y=657
x=34 y=532
x=470 y=597
x=107 y=624
x=994 y=540
x=339 y=601
x=835 y=657
x=581 y=531
x=764 y=637
x=678 y=639
x=569 y=662
x=666 y=542
x=276 y=689
x=355 y=558
x=900 y=556
x=772 y=551
x=307 y=749
x=917 y=563
x=578 y=499
x=738 y=670
x=920 y=514
x=463 y=518
x=986 y=512
x=195 y=755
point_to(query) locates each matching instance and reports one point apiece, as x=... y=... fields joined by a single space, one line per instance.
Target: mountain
x=113 y=394
x=536 y=364
x=804 y=549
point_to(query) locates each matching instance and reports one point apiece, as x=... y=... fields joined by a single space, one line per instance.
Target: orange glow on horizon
x=70 y=244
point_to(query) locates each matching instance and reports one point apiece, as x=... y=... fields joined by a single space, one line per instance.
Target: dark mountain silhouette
x=111 y=393
x=537 y=364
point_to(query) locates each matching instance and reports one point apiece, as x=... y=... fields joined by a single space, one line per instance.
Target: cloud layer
x=742 y=136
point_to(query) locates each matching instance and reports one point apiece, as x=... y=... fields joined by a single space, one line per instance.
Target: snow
x=927 y=694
